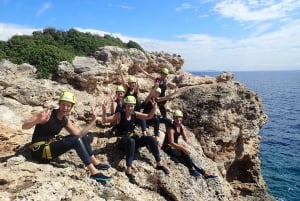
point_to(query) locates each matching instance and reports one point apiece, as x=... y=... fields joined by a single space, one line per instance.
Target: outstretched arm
x=146 y=73
x=172 y=85
x=167 y=97
x=40 y=118
x=124 y=83
x=144 y=116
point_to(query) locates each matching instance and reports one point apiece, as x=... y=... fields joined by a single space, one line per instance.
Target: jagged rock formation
x=223 y=118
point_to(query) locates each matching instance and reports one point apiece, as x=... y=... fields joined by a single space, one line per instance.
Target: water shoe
x=102 y=166
x=195 y=173
x=100 y=177
x=163 y=168
x=131 y=178
x=210 y=176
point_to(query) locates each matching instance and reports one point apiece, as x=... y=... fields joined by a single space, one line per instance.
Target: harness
x=46 y=150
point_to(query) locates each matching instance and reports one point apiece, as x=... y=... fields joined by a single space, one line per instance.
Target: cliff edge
x=223 y=118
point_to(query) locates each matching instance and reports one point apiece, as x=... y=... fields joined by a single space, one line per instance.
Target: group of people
x=126 y=111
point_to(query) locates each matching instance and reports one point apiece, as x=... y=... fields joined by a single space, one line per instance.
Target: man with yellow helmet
x=173 y=148
x=130 y=140
x=47 y=144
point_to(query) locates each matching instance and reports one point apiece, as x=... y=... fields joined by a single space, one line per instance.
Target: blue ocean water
x=280 y=145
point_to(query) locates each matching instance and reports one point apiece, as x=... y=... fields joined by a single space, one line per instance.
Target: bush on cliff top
x=45 y=49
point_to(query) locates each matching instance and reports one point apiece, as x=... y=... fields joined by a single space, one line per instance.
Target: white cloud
x=8 y=30
x=122 y=6
x=183 y=6
x=256 y=10
x=45 y=7
x=273 y=51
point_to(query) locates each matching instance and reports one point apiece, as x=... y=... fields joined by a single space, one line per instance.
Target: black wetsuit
x=179 y=154
x=161 y=105
x=130 y=141
x=47 y=133
x=120 y=107
x=147 y=107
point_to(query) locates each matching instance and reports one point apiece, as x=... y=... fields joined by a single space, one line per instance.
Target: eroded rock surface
x=223 y=118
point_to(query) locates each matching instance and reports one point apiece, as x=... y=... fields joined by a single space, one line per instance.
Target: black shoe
x=100 y=177
x=194 y=173
x=131 y=178
x=210 y=177
x=163 y=168
x=102 y=166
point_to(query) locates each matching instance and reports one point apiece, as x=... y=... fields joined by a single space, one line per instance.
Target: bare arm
x=167 y=97
x=113 y=104
x=170 y=135
x=172 y=85
x=124 y=83
x=145 y=72
x=113 y=118
x=184 y=134
x=40 y=118
x=144 y=116
x=76 y=131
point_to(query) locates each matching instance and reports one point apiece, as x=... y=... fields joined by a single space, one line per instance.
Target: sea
x=280 y=144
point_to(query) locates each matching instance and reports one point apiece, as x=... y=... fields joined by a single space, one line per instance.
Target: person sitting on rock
x=174 y=149
x=117 y=100
x=162 y=83
x=46 y=144
x=131 y=87
x=130 y=140
x=146 y=106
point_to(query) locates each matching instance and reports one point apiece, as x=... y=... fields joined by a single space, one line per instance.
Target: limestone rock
x=223 y=118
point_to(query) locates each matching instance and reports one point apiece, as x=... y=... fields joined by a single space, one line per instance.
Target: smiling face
x=177 y=120
x=119 y=95
x=129 y=107
x=64 y=108
x=131 y=84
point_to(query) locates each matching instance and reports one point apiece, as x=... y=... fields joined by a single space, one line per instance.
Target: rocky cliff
x=223 y=118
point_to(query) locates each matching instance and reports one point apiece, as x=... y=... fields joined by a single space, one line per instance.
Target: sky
x=217 y=35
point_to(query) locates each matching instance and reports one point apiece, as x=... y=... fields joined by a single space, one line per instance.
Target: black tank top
x=176 y=135
x=126 y=126
x=119 y=107
x=147 y=106
x=135 y=94
x=50 y=129
x=163 y=86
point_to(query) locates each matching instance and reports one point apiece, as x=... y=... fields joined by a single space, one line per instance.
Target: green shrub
x=46 y=49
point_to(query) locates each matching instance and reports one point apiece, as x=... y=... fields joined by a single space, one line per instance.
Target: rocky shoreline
x=223 y=118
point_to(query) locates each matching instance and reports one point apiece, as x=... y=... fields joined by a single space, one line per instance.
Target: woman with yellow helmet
x=47 y=144
x=131 y=87
x=171 y=146
x=146 y=105
x=117 y=100
x=161 y=82
x=130 y=140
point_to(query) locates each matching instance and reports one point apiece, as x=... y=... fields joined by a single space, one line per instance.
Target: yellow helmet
x=130 y=100
x=165 y=71
x=120 y=88
x=158 y=90
x=67 y=96
x=131 y=79
x=177 y=113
